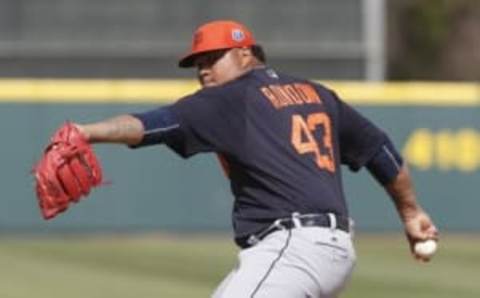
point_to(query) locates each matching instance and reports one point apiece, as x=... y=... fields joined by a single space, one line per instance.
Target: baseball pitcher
x=282 y=141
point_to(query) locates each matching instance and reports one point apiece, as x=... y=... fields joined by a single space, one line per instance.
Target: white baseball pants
x=304 y=262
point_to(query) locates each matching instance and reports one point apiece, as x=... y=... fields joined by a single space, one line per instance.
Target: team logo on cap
x=238 y=35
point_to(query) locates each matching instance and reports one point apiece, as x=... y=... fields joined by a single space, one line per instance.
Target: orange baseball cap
x=217 y=35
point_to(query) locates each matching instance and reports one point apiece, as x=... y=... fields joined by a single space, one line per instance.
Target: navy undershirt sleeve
x=159 y=125
x=385 y=164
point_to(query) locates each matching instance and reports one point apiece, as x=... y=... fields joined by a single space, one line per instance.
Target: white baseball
x=426 y=248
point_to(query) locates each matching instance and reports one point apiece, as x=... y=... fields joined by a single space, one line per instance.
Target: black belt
x=297 y=220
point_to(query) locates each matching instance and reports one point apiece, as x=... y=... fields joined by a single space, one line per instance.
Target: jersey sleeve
x=359 y=138
x=208 y=122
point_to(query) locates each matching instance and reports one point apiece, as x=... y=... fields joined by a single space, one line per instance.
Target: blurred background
x=161 y=228
x=345 y=39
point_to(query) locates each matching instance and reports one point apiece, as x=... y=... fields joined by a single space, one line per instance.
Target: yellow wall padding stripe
x=410 y=93
x=163 y=91
x=94 y=91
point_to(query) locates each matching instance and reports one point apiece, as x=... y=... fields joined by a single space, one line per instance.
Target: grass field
x=145 y=266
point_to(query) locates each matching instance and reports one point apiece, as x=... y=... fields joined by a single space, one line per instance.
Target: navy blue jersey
x=282 y=140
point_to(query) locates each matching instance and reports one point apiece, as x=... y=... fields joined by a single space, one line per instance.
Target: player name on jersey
x=291 y=94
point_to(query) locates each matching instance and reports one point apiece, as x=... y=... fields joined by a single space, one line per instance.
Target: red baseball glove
x=66 y=172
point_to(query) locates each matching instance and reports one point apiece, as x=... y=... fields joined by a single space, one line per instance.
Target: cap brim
x=187 y=61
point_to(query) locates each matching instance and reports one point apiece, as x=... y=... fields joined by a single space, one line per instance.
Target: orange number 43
x=304 y=141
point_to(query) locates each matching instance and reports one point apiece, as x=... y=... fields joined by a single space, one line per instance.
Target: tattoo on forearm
x=121 y=129
x=125 y=130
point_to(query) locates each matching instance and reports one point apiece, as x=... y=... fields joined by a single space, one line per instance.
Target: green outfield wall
x=436 y=126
